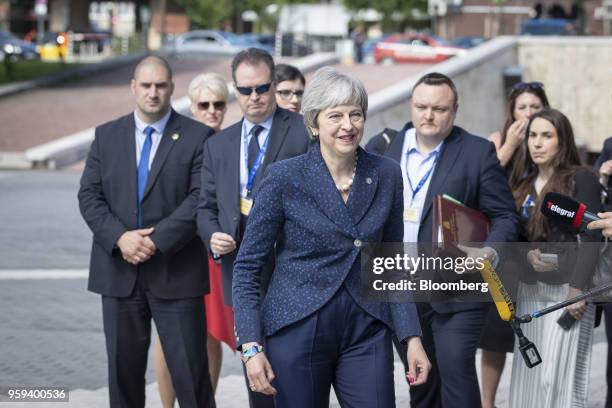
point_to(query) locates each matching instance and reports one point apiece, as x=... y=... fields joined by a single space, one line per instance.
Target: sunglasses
x=287 y=94
x=521 y=86
x=259 y=89
x=218 y=105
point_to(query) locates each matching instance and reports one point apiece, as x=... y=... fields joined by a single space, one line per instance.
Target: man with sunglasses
x=234 y=164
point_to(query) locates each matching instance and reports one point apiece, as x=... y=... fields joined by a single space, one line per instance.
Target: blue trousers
x=339 y=345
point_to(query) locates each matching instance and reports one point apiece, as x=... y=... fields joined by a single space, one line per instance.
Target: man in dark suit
x=235 y=161
x=439 y=158
x=138 y=195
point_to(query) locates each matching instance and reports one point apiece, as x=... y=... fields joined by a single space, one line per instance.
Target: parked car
x=214 y=42
x=400 y=48
x=15 y=48
x=468 y=42
x=369 y=45
x=547 y=26
x=265 y=40
x=54 y=46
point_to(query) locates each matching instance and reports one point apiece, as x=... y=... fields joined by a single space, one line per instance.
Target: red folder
x=455 y=223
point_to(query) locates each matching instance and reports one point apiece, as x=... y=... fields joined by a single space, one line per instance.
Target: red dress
x=219 y=316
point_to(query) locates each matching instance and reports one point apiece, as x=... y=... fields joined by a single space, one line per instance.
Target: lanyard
x=421 y=183
x=253 y=172
x=528 y=203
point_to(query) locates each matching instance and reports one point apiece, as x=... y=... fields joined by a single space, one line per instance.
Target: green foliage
x=390 y=9
x=25 y=70
x=209 y=13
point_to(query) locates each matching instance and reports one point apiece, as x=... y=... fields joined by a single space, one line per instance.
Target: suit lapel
x=397 y=144
x=364 y=187
x=448 y=156
x=129 y=150
x=166 y=144
x=319 y=184
x=278 y=133
x=232 y=166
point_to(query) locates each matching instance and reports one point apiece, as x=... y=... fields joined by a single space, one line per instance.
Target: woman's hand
x=516 y=132
x=578 y=309
x=418 y=363
x=533 y=257
x=260 y=374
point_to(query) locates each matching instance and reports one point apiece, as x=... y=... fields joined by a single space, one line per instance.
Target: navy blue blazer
x=468 y=170
x=318 y=239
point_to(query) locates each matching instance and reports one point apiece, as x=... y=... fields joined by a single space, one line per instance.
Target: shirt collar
x=267 y=124
x=159 y=126
x=412 y=144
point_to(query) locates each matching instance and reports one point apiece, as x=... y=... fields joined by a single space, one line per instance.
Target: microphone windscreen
x=563 y=210
x=503 y=301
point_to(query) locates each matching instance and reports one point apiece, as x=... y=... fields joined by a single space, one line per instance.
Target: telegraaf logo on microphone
x=562 y=212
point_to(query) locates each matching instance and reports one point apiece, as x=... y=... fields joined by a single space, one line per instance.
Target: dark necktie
x=254 y=145
x=143 y=166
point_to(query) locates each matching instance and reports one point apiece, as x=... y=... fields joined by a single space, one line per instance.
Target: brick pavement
x=41 y=115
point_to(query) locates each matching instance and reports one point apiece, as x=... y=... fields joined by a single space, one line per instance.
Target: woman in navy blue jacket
x=318 y=209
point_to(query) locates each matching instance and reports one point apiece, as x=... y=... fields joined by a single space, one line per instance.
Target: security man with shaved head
x=138 y=195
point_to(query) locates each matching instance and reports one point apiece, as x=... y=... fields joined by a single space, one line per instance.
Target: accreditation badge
x=245 y=205
x=411 y=214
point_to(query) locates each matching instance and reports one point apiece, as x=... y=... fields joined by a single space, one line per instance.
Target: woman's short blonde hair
x=330 y=88
x=212 y=82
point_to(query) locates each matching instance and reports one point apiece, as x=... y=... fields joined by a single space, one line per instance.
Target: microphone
x=567 y=212
x=503 y=302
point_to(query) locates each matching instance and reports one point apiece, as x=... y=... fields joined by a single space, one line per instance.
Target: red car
x=414 y=48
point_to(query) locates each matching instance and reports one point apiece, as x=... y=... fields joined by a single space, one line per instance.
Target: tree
x=397 y=14
x=208 y=13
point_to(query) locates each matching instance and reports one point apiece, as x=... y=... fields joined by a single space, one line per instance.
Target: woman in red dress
x=208 y=94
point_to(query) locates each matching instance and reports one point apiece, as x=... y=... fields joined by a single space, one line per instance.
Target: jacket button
x=357 y=243
x=235 y=218
x=369 y=180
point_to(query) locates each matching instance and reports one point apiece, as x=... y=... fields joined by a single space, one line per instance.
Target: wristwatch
x=251 y=352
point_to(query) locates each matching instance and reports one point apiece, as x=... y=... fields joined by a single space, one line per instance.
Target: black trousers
x=450 y=340
x=181 y=327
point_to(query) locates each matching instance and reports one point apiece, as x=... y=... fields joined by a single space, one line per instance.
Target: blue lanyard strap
x=528 y=203
x=421 y=183
x=253 y=171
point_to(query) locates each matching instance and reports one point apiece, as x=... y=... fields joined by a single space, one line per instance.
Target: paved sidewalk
x=232 y=394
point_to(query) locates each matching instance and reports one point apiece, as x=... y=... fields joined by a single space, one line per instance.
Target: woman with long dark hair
x=552 y=164
x=497 y=339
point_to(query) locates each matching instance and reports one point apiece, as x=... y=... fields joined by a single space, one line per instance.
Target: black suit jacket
x=108 y=203
x=219 y=205
x=468 y=170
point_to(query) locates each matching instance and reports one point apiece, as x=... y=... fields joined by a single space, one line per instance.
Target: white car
x=213 y=42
